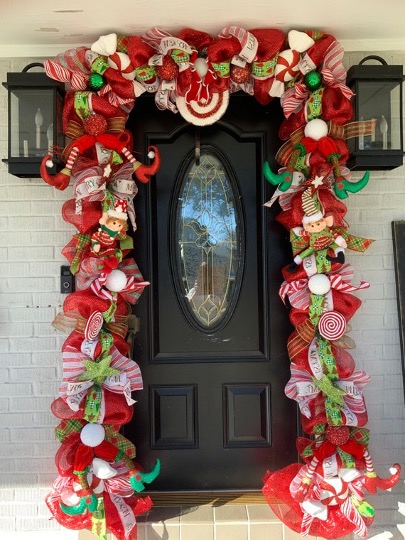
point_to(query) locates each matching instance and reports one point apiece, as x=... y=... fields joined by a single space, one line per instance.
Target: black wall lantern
x=35 y=104
x=378 y=95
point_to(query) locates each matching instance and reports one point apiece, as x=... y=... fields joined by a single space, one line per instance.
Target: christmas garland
x=193 y=73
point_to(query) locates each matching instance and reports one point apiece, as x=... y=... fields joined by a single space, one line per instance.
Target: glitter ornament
x=240 y=75
x=95 y=124
x=168 y=70
x=313 y=80
x=96 y=82
x=338 y=435
x=92 y=435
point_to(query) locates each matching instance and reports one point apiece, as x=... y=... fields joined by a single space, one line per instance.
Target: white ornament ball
x=316 y=129
x=116 y=281
x=92 y=435
x=319 y=284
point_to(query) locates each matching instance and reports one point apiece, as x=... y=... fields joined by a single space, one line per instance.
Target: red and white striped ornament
x=93 y=325
x=332 y=325
x=121 y=62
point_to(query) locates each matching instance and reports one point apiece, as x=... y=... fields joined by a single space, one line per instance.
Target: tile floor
x=227 y=522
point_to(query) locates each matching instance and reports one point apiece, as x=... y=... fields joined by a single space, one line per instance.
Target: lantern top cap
x=381 y=72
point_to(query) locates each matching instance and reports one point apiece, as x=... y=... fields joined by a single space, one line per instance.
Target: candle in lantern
x=373 y=134
x=383 y=128
x=50 y=137
x=39 y=119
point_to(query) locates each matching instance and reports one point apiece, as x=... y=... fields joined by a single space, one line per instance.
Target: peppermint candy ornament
x=93 y=325
x=334 y=491
x=332 y=325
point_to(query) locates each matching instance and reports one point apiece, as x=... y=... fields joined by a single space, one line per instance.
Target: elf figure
x=317 y=235
x=113 y=227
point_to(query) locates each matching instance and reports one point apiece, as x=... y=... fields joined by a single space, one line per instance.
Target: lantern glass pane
x=31 y=122
x=380 y=100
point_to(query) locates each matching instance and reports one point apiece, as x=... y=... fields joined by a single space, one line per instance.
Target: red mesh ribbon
x=277 y=493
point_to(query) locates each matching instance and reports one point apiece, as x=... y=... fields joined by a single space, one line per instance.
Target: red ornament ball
x=95 y=124
x=239 y=74
x=338 y=435
x=168 y=70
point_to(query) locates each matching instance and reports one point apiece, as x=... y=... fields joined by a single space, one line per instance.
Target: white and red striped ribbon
x=333 y=73
x=302 y=389
x=55 y=70
x=249 y=43
x=299 y=293
x=74 y=390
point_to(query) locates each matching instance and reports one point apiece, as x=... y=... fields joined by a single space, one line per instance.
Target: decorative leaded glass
x=208 y=241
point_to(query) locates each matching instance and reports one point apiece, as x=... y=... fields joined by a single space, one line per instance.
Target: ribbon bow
x=179 y=51
x=346 y=393
x=111 y=371
x=346 y=490
x=333 y=73
x=132 y=290
x=299 y=294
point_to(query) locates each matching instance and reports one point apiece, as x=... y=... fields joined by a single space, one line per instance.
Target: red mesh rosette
x=345 y=363
x=344 y=303
x=139 y=53
x=221 y=52
x=116 y=409
x=79 y=107
x=330 y=204
x=270 y=43
x=87 y=220
x=79 y=306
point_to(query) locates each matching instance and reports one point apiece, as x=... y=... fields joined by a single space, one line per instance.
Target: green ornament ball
x=96 y=81
x=313 y=80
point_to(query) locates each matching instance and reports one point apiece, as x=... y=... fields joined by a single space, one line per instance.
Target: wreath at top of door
x=194 y=74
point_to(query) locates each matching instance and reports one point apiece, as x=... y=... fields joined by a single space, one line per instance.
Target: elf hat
x=311 y=207
x=120 y=210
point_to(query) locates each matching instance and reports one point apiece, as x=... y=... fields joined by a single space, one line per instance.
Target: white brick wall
x=32 y=234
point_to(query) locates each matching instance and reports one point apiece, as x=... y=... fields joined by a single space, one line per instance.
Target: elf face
x=315 y=226
x=115 y=224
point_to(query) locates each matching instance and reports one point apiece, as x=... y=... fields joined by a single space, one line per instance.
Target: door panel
x=213 y=407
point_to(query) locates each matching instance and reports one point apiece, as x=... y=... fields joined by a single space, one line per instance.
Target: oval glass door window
x=208 y=241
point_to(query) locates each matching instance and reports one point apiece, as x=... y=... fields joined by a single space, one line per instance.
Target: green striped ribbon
x=99 y=528
x=93 y=404
x=264 y=69
x=180 y=56
x=313 y=104
x=222 y=69
x=99 y=65
x=81 y=104
x=145 y=73
x=316 y=307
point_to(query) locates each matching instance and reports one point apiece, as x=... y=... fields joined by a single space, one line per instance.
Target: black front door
x=213 y=330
